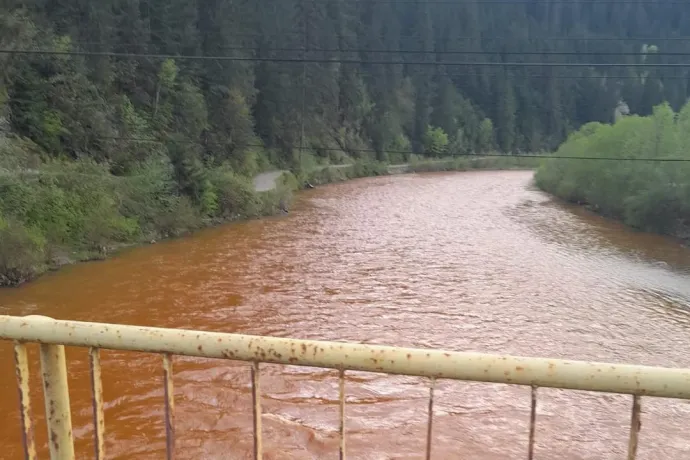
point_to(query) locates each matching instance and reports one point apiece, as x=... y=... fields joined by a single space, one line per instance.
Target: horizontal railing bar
x=542 y=372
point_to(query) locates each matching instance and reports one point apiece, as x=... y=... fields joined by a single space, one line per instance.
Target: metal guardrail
x=53 y=335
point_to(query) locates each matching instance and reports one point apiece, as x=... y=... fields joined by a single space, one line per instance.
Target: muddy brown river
x=474 y=261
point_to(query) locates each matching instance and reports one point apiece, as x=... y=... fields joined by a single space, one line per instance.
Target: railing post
x=56 y=393
x=97 y=393
x=342 y=413
x=532 y=423
x=21 y=361
x=430 y=423
x=169 y=394
x=635 y=425
x=256 y=401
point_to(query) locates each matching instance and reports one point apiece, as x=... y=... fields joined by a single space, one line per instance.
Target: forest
x=130 y=120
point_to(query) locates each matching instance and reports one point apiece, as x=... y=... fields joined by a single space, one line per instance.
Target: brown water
x=468 y=261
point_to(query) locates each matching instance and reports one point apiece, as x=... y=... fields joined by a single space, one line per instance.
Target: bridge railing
x=53 y=335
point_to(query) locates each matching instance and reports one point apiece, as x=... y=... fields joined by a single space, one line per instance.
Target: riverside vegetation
x=104 y=150
x=648 y=195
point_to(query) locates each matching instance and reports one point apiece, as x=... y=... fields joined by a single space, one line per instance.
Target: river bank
x=30 y=265
x=25 y=255
x=22 y=259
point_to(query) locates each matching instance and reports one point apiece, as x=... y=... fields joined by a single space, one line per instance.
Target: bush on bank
x=649 y=195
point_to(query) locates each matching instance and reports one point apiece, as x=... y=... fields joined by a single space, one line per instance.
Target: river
x=476 y=261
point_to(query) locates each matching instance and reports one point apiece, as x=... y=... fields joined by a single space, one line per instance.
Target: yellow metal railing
x=53 y=335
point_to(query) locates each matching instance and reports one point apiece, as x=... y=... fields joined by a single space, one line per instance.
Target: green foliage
x=648 y=195
x=21 y=252
x=435 y=142
x=63 y=201
x=460 y=144
x=235 y=195
x=485 y=142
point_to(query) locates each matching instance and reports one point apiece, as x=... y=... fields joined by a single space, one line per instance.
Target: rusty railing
x=53 y=335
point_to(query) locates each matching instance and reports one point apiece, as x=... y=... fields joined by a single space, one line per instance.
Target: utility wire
x=333 y=61
x=439 y=52
x=409 y=152
x=465 y=38
x=504 y=2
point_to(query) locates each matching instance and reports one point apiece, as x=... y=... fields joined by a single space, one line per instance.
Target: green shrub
x=236 y=195
x=22 y=253
x=177 y=217
x=280 y=198
x=649 y=195
x=435 y=142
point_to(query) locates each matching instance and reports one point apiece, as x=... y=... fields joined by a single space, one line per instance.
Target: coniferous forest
x=130 y=120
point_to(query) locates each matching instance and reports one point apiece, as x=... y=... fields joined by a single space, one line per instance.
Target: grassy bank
x=468 y=163
x=338 y=173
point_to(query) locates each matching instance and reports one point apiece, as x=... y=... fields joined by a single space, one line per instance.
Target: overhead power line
x=585 y=38
x=333 y=61
x=409 y=152
x=503 y=2
x=256 y=49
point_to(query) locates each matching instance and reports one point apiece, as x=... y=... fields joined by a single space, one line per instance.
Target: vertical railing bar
x=56 y=395
x=429 y=428
x=256 y=400
x=342 y=413
x=532 y=423
x=97 y=395
x=635 y=426
x=21 y=361
x=169 y=393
